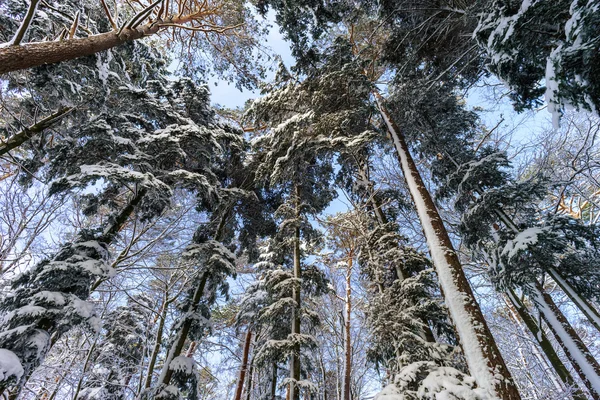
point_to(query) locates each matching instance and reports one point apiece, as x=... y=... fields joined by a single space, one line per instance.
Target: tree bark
x=294 y=392
x=576 y=351
x=483 y=357
x=244 y=366
x=29 y=55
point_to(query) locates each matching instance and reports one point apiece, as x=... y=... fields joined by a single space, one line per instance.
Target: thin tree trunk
x=576 y=351
x=294 y=392
x=274 y=382
x=587 y=309
x=157 y=341
x=88 y=357
x=27 y=133
x=250 y=380
x=483 y=357
x=426 y=332
x=244 y=366
x=177 y=347
x=542 y=340
x=348 y=342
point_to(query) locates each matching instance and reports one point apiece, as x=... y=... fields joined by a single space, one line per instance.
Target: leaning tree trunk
x=177 y=347
x=244 y=366
x=426 y=332
x=542 y=340
x=483 y=357
x=158 y=340
x=587 y=309
x=576 y=351
x=182 y=336
x=294 y=390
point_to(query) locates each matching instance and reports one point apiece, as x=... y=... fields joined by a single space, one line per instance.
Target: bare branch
x=109 y=16
x=25 y=24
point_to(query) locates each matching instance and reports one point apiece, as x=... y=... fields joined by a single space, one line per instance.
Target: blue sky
x=226 y=94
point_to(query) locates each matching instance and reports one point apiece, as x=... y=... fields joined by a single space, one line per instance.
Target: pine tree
x=115 y=147
x=292 y=161
x=555 y=42
x=119 y=354
x=94 y=27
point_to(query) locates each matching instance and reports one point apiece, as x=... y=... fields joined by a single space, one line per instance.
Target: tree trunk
x=587 y=309
x=483 y=357
x=157 y=341
x=177 y=347
x=294 y=392
x=426 y=333
x=274 y=382
x=576 y=351
x=590 y=312
x=347 y=341
x=48 y=325
x=29 y=55
x=542 y=340
x=250 y=380
x=244 y=366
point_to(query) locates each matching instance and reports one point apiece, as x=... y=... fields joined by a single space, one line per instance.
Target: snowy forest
x=300 y=199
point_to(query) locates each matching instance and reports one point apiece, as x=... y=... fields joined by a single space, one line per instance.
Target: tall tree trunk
x=177 y=346
x=294 y=391
x=576 y=351
x=483 y=357
x=347 y=340
x=274 y=382
x=250 y=380
x=542 y=340
x=426 y=333
x=244 y=366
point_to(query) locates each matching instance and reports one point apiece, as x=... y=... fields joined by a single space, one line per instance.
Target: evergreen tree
x=119 y=354
x=544 y=48
x=132 y=150
x=228 y=31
